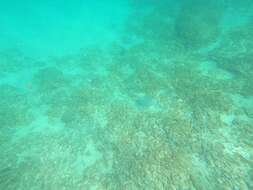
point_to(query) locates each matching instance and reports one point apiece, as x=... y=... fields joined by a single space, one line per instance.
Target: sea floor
x=126 y=95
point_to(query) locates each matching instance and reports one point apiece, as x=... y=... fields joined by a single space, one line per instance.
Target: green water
x=126 y=95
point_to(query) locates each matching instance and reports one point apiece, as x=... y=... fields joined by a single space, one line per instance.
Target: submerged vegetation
x=197 y=24
x=14 y=108
x=154 y=115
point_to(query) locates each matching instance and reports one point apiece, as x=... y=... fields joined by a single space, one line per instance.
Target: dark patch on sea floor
x=144 y=102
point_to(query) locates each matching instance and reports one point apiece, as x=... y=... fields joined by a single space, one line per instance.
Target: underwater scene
x=126 y=95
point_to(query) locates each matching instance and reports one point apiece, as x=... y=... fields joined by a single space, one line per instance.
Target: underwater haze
x=126 y=95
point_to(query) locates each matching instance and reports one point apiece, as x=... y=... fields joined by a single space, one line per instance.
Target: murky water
x=126 y=95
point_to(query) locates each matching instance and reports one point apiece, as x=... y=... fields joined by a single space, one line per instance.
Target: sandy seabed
x=162 y=98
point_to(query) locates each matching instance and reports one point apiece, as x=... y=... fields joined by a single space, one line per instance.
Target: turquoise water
x=126 y=95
